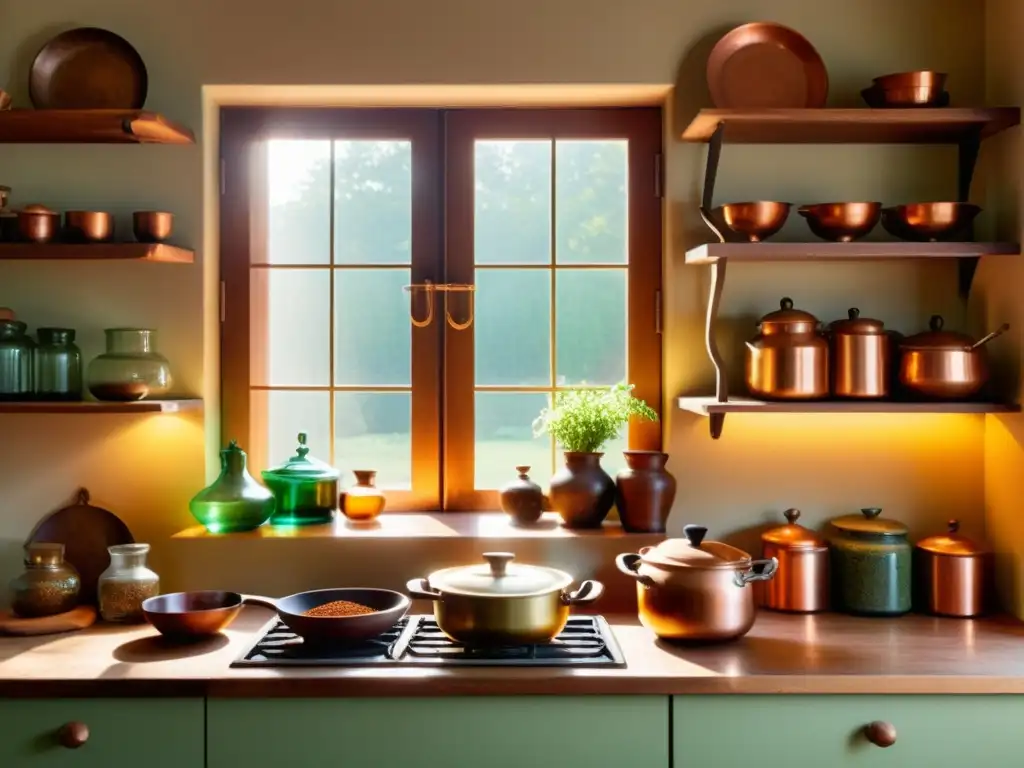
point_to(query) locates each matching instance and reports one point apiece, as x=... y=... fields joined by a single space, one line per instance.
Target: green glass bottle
x=235 y=501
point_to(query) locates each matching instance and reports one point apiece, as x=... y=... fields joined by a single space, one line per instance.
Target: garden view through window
x=539 y=216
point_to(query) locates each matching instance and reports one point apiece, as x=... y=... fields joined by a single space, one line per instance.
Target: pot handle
x=263 y=602
x=420 y=588
x=759 y=570
x=986 y=339
x=628 y=564
x=589 y=592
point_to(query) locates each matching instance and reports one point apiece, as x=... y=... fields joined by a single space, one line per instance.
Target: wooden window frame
x=443 y=444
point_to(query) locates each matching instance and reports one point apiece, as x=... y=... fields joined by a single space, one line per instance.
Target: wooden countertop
x=823 y=654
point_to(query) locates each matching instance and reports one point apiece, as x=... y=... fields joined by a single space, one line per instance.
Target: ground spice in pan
x=338 y=609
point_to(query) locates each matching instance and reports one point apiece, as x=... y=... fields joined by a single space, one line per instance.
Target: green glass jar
x=17 y=359
x=49 y=585
x=235 y=501
x=58 y=365
x=306 y=490
x=871 y=564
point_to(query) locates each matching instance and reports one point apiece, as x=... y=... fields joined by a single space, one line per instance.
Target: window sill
x=423 y=525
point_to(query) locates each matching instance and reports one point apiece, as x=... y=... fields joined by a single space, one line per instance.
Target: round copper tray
x=88 y=68
x=766 y=66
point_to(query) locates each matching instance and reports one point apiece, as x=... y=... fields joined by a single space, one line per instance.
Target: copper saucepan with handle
x=944 y=364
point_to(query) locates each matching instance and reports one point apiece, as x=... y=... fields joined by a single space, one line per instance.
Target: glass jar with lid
x=126 y=583
x=306 y=489
x=49 y=585
x=17 y=359
x=871 y=564
x=58 y=365
x=130 y=369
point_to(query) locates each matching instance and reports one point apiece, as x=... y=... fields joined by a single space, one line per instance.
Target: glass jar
x=49 y=585
x=363 y=501
x=306 y=489
x=58 y=368
x=126 y=583
x=130 y=369
x=17 y=353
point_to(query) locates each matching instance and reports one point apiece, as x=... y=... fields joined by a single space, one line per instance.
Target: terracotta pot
x=581 y=491
x=522 y=498
x=644 y=492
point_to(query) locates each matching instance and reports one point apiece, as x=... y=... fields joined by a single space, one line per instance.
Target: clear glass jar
x=126 y=583
x=17 y=352
x=58 y=366
x=49 y=585
x=130 y=369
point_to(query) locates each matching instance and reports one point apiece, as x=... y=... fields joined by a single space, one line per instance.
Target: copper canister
x=788 y=359
x=861 y=357
x=952 y=574
x=801 y=582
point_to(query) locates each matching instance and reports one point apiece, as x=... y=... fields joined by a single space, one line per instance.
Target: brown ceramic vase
x=644 y=492
x=522 y=499
x=581 y=491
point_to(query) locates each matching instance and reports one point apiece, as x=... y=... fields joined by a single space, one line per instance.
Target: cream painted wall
x=921 y=469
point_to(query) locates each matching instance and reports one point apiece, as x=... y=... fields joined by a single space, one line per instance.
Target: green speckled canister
x=871 y=564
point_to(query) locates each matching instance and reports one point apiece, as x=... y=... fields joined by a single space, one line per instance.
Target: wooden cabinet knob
x=880 y=733
x=73 y=735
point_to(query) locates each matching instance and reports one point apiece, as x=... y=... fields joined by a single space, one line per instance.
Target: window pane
x=372 y=332
x=373 y=202
x=512 y=327
x=373 y=430
x=294 y=412
x=291 y=315
x=299 y=202
x=504 y=438
x=590 y=326
x=512 y=211
x=590 y=201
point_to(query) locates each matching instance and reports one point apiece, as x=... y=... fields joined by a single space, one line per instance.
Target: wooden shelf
x=91 y=406
x=162 y=252
x=948 y=125
x=90 y=126
x=825 y=251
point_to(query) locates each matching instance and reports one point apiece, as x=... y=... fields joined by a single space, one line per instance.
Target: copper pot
x=37 y=223
x=788 y=359
x=691 y=589
x=952 y=574
x=943 y=364
x=801 y=583
x=88 y=226
x=861 y=357
x=152 y=226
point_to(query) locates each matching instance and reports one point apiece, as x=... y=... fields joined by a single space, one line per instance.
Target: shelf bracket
x=716 y=420
x=967 y=159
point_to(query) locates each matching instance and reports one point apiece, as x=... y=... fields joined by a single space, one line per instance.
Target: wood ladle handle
x=73 y=735
x=880 y=733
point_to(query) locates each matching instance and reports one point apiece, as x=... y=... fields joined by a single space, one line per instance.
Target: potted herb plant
x=582 y=421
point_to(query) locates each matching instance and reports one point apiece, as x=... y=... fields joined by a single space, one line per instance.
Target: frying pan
x=390 y=607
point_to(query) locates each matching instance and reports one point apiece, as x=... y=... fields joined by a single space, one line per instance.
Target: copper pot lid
x=499 y=577
x=788 y=320
x=936 y=338
x=868 y=522
x=39 y=208
x=302 y=466
x=854 y=323
x=952 y=543
x=793 y=536
x=694 y=552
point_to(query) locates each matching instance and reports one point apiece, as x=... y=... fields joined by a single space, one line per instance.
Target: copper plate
x=88 y=68
x=766 y=66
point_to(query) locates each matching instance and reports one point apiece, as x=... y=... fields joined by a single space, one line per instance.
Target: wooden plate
x=86 y=532
x=766 y=66
x=77 y=618
x=88 y=68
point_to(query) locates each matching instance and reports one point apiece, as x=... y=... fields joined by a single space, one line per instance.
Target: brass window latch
x=430 y=288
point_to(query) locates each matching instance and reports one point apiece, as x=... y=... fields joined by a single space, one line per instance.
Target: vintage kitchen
x=604 y=380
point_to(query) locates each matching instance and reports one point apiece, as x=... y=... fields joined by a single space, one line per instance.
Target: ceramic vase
x=644 y=492
x=581 y=491
x=522 y=499
x=234 y=501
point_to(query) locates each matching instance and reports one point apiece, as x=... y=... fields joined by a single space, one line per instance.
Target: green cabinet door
x=736 y=731
x=122 y=733
x=453 y=732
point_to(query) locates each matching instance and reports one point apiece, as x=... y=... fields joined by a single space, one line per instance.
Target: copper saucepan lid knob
x=791 y=515
x=953 y=526
x=695 y=534
x=853 y=313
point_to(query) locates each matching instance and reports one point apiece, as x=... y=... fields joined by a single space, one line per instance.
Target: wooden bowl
x=754 y=221
x=841 y=222
x=929 y=222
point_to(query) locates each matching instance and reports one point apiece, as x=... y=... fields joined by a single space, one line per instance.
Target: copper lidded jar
x=801 y=583
x=952 y=574
x=788 y=359
x=861 y=357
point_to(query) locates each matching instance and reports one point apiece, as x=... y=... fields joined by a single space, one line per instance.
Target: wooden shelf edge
x=90 y=126
x=94 y=407
x=156 y=252
x=856 y=251
x=706 y=406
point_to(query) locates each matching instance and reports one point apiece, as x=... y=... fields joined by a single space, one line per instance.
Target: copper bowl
x=924 y=78
x=88 y=226
x=152 y=226
x=37 y=223
x=192 y=615
x=908 y=89
x=755 y=221
x=929 y=222
x=841 y=222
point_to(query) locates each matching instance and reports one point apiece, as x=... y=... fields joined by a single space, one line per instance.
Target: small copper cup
x=37 y=224
x=152 y=226
x=88 y=226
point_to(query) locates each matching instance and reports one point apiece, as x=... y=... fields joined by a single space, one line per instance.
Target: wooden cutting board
x=77 y=618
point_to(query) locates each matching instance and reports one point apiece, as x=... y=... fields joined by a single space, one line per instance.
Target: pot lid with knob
x=787 y=320
x=952 y=543
x=499 y=577
x=793 y=536
x=937 y=338
x=855 y=324
x=301 y=466
x=694 y=552
x=869 y=523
